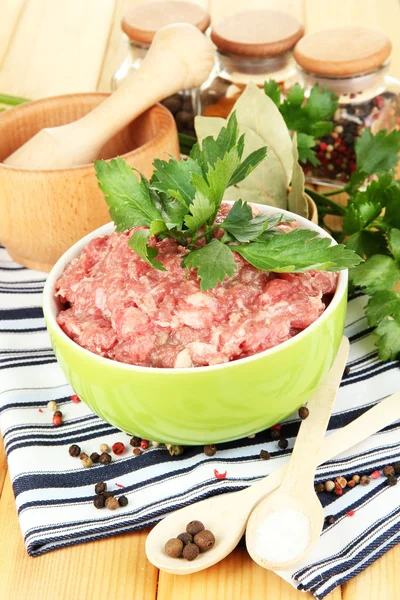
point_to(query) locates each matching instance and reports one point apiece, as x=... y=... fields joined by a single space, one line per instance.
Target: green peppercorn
x=74 y=451
x=329 y=486
x=265 y=455
x=397 y=468
x=391 y=480
x=87 y=463
x=194 y=527
x=111 y=503
x=174 y=547
x=185 y=538
x=105 y=458
x=283 y=443
x=57 y=413
x=275 y=433
x=100 y=487
x=95 y=457
x=388 y=470
x=190 y=551
x=123 y=501
x=356 y=479
x=210 y=450
x=174 y=450
x=135 y=441
x=330 y=520
x=99 y=501
x=205 y=540
x=319 y=488
x=104 y=448
x=303 y=412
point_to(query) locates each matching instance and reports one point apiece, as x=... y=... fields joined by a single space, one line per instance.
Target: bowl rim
x=50 y=308
x=9 y=114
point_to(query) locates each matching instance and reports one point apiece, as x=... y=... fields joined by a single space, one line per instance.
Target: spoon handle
x=304 y=459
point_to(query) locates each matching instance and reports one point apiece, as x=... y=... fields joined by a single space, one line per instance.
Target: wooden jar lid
x=343 y=51
x=142 y=22
x=257 y=33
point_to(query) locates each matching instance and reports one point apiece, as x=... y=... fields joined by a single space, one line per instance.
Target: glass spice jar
x=353 y=63
x=140 y=25
x=253 y=45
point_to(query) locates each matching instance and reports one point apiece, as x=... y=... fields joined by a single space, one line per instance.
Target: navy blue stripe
x=29 y=330
x=29 y=364
x=371 y=373
x=12 y=268
x=26 y=291
x=34 y=354
x=14 y=314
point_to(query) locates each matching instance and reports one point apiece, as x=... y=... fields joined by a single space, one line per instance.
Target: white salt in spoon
x=286 y=525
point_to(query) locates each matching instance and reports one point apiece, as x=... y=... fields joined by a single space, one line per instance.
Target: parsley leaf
x=138 y=243
x=241 y=224
x=130 y=202
x=383 y=310
x=388 y=332
x=213 y=263
x=394 y=244
x=392 y=203
x=201 y=210
x=379 y=272
x=174 y=177
x=305 y=145
x=366 y=243
x=273 y=91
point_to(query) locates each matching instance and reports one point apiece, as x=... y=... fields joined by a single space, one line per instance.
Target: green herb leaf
x=241 y=224
x=381 y=305
x=394 y=244
x=392 y=203
x=213 y=263
x=377 y=153
x=201 y=210
x=273 y=91
x=312 y=117
x=248 y=165
x=379 y=272
x=173 y=178
x=305 y=145
x=388 y=332
x=295 y=96
x=366 y=243
x=130 y=202
x=297 y=251
x=138 y=243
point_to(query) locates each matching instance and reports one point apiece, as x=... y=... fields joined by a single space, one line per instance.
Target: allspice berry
x=135 y=441
x=108 y=494
x=105 y=458
x=342 y=481
x=174 y=547
x=388 y=470
x=87 y=463
x=74 y=451
x=329 y=486
x=136 y=451
x=283 y=443
x=95 y=457
x=397 y=468
x=58 y=413
x=104 y=448
x=365 y=480
x=190 y=551
x=320 y=487
x=112 y=503
x=100 y=487
x=205 y=540
x=275 y=433
x=330 y=520
x=99 y=501
x=210 y=450
x=303 y=412
x=194 y=527
x=265 y=455
x=391 y=480
x=185 y=537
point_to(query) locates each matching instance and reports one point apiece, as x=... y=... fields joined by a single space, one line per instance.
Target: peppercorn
x=108 y=494
x=342 y=481
x=174 y=450
x=319 y=488
x=87 y=463
x=144 y=444
x=205 y=540
x=75 y=399
x=185 y=538
x=388 y=470
x=194 y=527
x=303 y=412
x=95 y=457
x=83 y=455
x=397 y=468
x=391 y=480
x=190 y=551
x=136 y=451
x=356 y=479
x=123 y=501
x=100 y=487
x=338 y=489
x=365 y=480
x=329 y=485
x=105 y=458
x=58 y=413
x=57 y=421
x=174 y=547
x=283 y=443
x=275 y=433
x=265 y=455
x=111 y=503
x=351 y=483
x=99 y=501
x=52 y=405
x=155 y=444
x=251 y=437
x=74 y=450
x=135 y=441
x=118 y=448
x=330 y=520
x=104 y=448
x=210 y=450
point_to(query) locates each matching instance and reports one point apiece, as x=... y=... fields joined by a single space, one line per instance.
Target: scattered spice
x=75 y=399
x=105 y=458
x=83 y=455
x=346 y=371
x=388 y=470
x=174 y=547
x=365 y=480
x=155 y=444
x=351 y=513
x=190 y=551
x=57 y=421
x=320 y=487
x=58 y=413
x=338 y=489
x=40 y=410
x=144 y=444
x=265 y=455
x=251 y=437
x=74 y=450
x=275 y=434
x=210 y=450
x=99 y=501
x=185 y=538
x=283 y=443
x=342 y=481
x=219 y=475
x=194 y=527
x=123 y=501
x=375 y=474
x=87 y=463
x=329 y=486
x=356 y=479
x=330 y=520
x=136 y=451
x=52 y=405
x=303 y=412
x=95 y=457
x=205 y=540
x=174 y=450
x=397 y=468
x=118 y=448
x=100 y=487
x=135 y=441
x=111 y=503
x=391 y=480
x=119 y=485
x=276 y=427
x=351 y=483
x=104 y=448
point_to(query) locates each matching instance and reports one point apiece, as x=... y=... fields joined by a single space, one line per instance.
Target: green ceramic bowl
x=206 y=404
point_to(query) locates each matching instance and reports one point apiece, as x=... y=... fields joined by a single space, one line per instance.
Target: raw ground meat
x=123 y=309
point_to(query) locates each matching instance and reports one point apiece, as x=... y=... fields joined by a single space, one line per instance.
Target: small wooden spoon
x=180 y=57
x=287 y=524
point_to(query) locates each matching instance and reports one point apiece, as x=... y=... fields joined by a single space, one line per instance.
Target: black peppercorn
x=174 y=547
x=100 y=487
x=190 y=551
x=346 y=371
x=303 y=412
x=185 y=537
x=123 y=501
x=388 y=470
x=99 y=501
x=275 y=433
x=135 y=441
x=391 y=480
x=205 y=540
x=57 y=413
x=330 y=520
x=194 y=527
x=74 y=451
x=283 y=443
x=210 y=450
x=95 y=457
x=320 y=487
x=265 y=455
x=397 y=468
x=105 y=458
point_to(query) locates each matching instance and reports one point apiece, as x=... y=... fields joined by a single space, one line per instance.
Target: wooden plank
x=235 y=578
x=114 y=568
x=380 y=581
x=58 y=48
x=11 y=11
x=383 y=15
x=3 y=465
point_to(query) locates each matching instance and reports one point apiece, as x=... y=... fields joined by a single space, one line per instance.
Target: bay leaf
x=297 y=201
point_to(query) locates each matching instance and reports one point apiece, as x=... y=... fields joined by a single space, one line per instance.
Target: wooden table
x=50 y=47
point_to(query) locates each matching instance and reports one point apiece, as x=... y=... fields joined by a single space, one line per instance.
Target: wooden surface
x=50 y=47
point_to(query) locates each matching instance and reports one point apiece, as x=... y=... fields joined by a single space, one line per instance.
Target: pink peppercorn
x=375 y=475
x=57 y=420
x=118 y=448
x=338 y=489
x=75 y=399
x=144 y=444
x=351 y=513
x=322 y=146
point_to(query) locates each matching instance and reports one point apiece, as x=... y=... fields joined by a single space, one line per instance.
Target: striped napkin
x=54 y=494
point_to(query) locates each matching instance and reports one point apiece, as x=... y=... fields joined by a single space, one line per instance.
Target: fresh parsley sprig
x=182 y=200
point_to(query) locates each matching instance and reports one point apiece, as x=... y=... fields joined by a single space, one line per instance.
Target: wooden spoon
x=287 y=524
x=180 y=57
x=226 y=515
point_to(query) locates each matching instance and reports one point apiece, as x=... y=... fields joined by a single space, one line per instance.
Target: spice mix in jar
x=353 y=63
x=253 y=45
x=140 y=24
